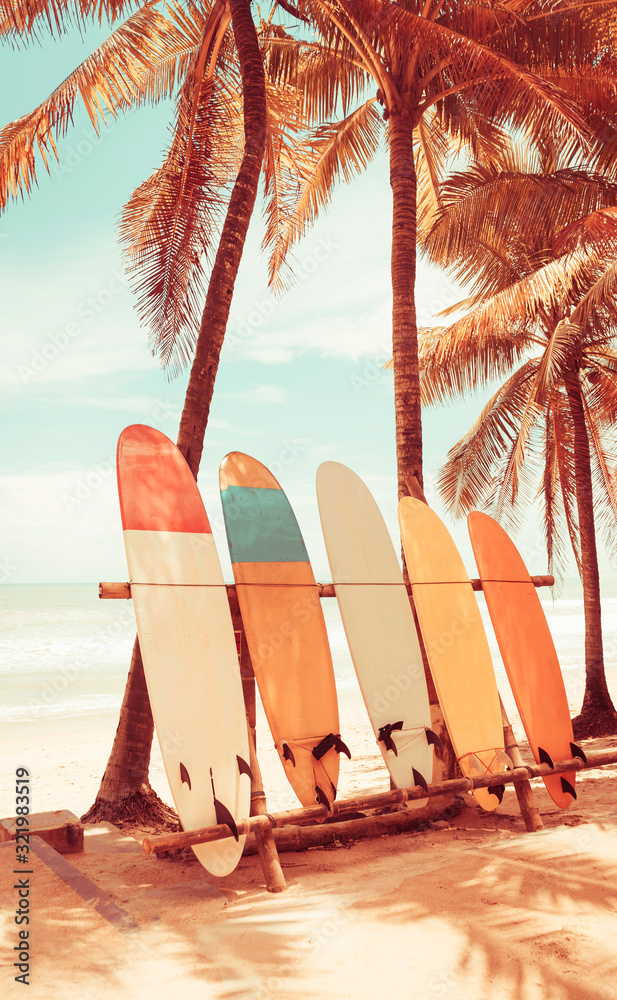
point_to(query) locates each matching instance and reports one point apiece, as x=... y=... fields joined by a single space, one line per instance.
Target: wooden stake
x=524 y=792
x=266 y=847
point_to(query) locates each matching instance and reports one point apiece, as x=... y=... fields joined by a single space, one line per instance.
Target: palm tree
x=542 y=316
x=448 y=73
x=169 y=226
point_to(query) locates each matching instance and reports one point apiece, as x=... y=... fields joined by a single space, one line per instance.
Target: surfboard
x=527 y=650
x=456 y=645
x=284 y=625
x=187 y=640
x=378 y=623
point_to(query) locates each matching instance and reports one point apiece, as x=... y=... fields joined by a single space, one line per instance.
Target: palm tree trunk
x=125 y=793
x=406 y=369
x=220 y=290
x=598 y=716
x=404 y=328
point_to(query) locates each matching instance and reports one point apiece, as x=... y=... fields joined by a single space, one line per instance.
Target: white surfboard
x=187 y=640
x=378 y=623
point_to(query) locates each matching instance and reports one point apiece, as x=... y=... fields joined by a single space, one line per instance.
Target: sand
x=473 y=909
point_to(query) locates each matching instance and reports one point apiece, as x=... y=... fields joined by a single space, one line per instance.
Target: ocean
x=65 y=654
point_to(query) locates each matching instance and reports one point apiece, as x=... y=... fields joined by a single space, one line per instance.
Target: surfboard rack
x=342 y=807
x=115 y=591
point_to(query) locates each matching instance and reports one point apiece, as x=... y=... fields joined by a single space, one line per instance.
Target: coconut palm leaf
x=333 y=152
x=553 y=500
x=599 y=305
x=566 y=474
x=112 y=79
x=283 y=163
x=482 y=233
x=469 y=473
x=594 y=227
x=26 y=20
x=168 y=225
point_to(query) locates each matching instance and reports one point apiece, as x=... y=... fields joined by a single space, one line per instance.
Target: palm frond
x=169 y=224
x=332 y=152
x=598 y=226
x=604 y=476
x=470 y=474
x=565 y=474
x=598 y=306
x=559 y=479
x=112 y=79
x=482 y=231
x=23 y=21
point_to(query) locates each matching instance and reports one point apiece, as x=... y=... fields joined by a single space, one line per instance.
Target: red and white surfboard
x=187 y=640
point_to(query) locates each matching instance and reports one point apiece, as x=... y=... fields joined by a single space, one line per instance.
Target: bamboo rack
x=122 y=591
x=262 y=824
x=397 y=796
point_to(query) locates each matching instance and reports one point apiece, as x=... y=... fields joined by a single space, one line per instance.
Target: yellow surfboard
x=285 y=628
x=456 y=645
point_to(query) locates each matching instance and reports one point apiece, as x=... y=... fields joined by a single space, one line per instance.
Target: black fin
x=288 y=754
x=498 y=790
x=385 y=736
x=184 y=775
x=433 y=739
x=243 y=767
x=567 y=787
x=223 y=815
x=577 y=752
x=545 y=758
x=333 y=789
x=322 y=798
x=329 y=741
x=418 y=779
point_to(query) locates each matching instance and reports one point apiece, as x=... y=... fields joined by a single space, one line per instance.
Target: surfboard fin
x=322 y=799
x=567 y=787
x=223 y=815
x=329 y=741
x=503 y=757
x=498 y=790
x=385 y=736
x=433 y=739
x=476 y=763
x=184 y=775
x=419 y=779
x=545 y=758
x=243 y=767
x=577 y=752
x=288 y=754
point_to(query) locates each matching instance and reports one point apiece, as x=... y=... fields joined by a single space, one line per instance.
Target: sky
x=301 y=378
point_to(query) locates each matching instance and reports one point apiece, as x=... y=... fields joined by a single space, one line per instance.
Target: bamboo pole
x=300 y=838
x=524 y=792
x=119 y=591
x=372 y=801
x=264 y=837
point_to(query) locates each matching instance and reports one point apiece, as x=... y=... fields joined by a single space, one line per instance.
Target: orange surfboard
x=284 y=625
x=527 y=650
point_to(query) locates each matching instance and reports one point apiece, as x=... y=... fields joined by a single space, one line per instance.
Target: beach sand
x=473 y=909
